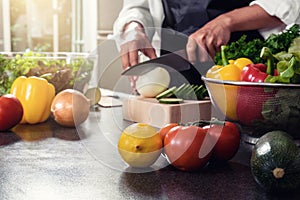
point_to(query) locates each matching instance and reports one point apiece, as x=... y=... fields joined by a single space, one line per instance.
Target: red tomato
x=226 y=139
x=188 y=148
x=165 y=129
x=11 y=112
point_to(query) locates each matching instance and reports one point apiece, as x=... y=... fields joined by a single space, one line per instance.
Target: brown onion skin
x=70 y=108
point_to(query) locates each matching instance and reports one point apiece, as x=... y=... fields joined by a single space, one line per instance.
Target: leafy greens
x=251 y=49
x=62 y=71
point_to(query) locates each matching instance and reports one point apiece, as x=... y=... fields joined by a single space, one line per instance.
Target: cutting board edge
x=148 y=110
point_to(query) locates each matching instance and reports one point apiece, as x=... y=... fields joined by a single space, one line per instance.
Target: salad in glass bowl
x=62 y=69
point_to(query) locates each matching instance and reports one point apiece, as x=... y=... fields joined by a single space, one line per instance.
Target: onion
x=70 y=107
x=153 y=82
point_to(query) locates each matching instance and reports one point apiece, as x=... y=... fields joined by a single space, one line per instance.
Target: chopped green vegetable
x=252 y=49
x=167 y=93
x=289 y=72
x=287 y=64
x=242 y=48
x=185 y=91
x=170 y=100
x=281 y=42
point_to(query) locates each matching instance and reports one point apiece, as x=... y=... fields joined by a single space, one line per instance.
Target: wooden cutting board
x=148 y=110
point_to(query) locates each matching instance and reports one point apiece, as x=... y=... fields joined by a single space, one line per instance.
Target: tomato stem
x=278 y=173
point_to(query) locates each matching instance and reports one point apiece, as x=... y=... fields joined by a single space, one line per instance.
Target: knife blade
x=174 y=63
x=169 y=61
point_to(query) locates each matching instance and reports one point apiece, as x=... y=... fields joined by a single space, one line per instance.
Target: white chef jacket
x=150 y=14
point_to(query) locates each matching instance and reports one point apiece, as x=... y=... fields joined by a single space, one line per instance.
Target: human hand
x=208 y=39
x=135 y=40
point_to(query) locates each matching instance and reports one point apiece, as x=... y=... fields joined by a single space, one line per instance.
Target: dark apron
x=187 y=16
x=184 y=17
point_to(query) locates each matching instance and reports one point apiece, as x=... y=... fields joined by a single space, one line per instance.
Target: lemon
x=93 y=94
x=140 y=145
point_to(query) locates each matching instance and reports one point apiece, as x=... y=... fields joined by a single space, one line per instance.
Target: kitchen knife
x=175 y=63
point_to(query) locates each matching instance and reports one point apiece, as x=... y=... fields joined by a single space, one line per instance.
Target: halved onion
x=153 y=82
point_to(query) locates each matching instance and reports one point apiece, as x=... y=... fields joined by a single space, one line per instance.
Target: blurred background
x=65 y=26
x=56 y=25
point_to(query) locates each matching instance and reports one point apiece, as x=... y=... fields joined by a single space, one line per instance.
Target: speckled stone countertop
x=46 y=161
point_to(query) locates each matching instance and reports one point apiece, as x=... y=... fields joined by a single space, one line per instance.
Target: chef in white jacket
x=207 y=23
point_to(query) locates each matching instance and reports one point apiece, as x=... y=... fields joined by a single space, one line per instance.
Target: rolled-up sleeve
x=288 y=11
x=134 y=10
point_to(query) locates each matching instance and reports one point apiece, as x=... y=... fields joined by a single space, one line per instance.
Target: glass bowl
x=62 y=69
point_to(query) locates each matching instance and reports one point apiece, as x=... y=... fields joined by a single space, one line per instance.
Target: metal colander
x=257 y=107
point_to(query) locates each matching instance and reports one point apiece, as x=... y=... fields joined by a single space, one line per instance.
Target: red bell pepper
x=254 y=73
x=262 y=67
x=250 y=100
x=248 y=95
x=276 y=72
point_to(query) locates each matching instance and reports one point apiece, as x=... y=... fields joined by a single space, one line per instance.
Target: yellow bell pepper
x=35 y=95
x=225 y=96
x=241 y=62
x=230 y=72
x=213 y=72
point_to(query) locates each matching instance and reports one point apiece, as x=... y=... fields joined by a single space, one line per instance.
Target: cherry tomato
x=188 y=148
x=226 y=139
x=165 y=129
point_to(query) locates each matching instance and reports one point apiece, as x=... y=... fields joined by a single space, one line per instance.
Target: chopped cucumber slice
x=169 y=92
x=179 y=93
x=180 y=89
x=170 y=100
x=184 y=91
